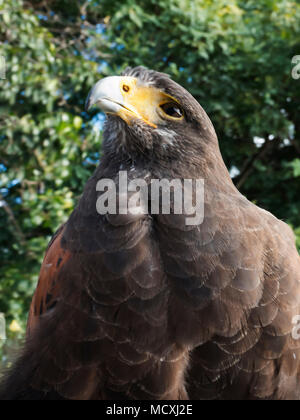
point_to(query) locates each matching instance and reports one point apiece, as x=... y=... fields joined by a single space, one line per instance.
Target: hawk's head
x=151 y=115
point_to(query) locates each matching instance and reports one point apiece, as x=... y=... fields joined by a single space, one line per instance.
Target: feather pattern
x=146 y=307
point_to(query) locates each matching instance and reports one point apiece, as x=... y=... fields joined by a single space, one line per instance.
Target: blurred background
x=234 y=56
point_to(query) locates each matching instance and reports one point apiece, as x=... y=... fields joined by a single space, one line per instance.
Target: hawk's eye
x=126 y=88
x=172 y=109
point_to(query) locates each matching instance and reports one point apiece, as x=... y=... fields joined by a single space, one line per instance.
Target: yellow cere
x=141 y=101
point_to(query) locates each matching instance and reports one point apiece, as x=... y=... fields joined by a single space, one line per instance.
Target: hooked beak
x=106 y=94
x=124 y=97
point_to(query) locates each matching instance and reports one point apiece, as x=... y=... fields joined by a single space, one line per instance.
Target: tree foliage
x=234 y=56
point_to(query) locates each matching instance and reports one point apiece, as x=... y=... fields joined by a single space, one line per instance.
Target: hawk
x=144 y=306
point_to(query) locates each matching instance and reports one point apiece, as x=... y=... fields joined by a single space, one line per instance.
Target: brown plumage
x=146 y=307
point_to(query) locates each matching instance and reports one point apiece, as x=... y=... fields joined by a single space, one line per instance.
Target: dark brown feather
x=146 y=307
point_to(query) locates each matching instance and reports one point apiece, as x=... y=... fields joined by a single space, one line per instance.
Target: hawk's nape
x=145 y=306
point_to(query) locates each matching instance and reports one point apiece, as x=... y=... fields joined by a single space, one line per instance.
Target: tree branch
x=296 y=145
x=249 y=167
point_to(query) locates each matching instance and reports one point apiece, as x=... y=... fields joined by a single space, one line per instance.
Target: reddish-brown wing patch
x=48 y=288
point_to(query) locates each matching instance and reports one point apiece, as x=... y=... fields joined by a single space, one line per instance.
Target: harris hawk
x=143 y=306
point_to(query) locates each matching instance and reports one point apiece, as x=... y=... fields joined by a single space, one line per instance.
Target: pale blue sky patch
x=259 y=141
x=234 y=172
